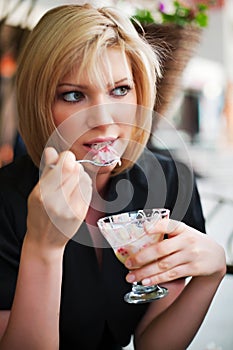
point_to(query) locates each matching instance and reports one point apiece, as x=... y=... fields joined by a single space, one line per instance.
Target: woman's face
x=90 y=115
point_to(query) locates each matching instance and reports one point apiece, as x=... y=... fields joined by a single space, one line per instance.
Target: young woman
x=86 y=89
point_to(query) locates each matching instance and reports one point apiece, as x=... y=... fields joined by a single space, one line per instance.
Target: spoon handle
x=97 y=163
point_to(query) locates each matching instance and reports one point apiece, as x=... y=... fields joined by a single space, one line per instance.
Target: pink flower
x=161 y=7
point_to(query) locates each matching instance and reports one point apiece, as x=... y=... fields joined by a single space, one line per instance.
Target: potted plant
x=175 y=30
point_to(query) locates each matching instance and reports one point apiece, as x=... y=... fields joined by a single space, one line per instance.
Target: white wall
x=212 y=44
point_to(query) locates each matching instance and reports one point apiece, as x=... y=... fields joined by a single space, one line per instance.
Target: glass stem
x=138 y=288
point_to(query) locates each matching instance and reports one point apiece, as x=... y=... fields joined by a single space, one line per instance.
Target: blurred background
x=194 y=114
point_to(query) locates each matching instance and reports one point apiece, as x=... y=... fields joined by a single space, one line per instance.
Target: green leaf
x=182 y=15
x=144 y=16
x=202 y=7
x=202 y=19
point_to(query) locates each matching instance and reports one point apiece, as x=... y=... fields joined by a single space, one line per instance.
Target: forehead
x=111 y=66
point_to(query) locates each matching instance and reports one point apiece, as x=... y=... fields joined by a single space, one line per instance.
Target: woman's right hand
x=59 y=202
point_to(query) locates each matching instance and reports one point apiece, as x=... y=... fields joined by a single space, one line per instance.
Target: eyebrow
x=85 y=86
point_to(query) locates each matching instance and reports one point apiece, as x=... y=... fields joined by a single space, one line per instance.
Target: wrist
x=39 y=251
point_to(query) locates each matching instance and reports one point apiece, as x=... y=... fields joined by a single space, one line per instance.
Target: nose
x=100 y=114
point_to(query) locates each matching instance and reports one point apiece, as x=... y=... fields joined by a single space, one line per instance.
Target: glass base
x=144 y=294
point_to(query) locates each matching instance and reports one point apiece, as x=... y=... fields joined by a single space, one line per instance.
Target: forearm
x=176 y=327
x=34 y=319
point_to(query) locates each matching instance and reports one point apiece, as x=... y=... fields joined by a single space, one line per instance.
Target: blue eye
x=72 y=96
x=121 y=90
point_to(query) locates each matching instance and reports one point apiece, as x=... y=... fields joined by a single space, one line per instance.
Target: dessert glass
x=127 y=233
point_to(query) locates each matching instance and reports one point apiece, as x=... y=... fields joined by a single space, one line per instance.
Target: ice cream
x=105 y=153
x=122 y=254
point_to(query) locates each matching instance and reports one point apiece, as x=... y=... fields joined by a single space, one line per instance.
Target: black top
x=93 y=314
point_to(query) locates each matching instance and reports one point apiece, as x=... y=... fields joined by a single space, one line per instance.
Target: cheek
x=127 y=133
x=58 y=115
x=62 y=113
x=70 y=125
x=128 y=130
x=125 y=113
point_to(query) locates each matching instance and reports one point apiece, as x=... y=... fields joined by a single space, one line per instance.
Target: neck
x=99 y=183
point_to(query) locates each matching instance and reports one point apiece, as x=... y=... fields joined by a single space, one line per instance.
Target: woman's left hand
x=186 y=252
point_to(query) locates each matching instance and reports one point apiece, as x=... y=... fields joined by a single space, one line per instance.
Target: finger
x=155 y=251
x=49 y=158
x=180 y=271
x=51 y=183
x=66 y=163
x=50 y=155
x=156 y=225
x=165 y=225
x=61 y=171
x=81 y=195
x=77 y=187
x=71 y=178
x=170 y=227
x=176 y=227
x=159 y=266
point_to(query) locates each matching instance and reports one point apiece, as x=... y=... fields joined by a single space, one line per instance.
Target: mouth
x=100 y=145
x=103 y=152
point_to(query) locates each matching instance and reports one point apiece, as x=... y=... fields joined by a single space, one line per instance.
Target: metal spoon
x=93 y=162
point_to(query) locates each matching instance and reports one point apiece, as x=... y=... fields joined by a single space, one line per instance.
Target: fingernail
x=146 y=281
x=128 y=263
x=130 y=278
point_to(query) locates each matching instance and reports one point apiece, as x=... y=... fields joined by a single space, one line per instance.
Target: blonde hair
x=72 y=34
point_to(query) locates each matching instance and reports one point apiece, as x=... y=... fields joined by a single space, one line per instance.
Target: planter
x=178 y=45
